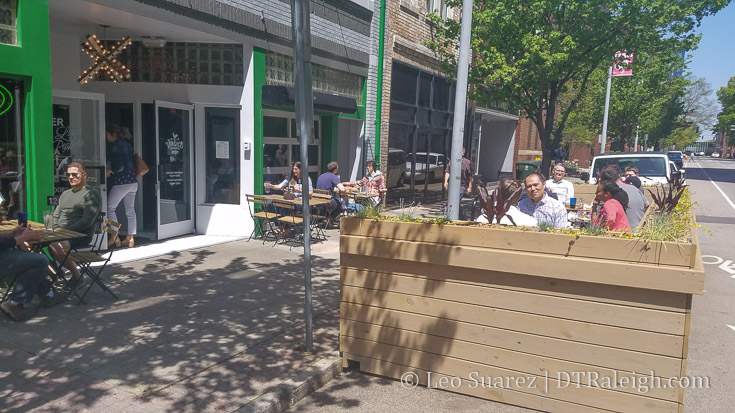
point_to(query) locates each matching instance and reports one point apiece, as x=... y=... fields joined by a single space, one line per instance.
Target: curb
x=291 y=391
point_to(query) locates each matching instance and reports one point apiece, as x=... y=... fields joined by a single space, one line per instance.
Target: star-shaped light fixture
x=105 y=59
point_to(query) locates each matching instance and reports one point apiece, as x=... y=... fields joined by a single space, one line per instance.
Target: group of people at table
x=619 y=205
x=78 y=210
x=373 y=184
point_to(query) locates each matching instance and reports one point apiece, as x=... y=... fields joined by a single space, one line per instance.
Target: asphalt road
x=712 y=330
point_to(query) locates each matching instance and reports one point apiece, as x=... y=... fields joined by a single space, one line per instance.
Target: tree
x=529 y=52
x=726 y=117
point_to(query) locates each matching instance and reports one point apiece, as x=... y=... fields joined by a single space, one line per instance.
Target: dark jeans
x=334 y=208
x=31 y=268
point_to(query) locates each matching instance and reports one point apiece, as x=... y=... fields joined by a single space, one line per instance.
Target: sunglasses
x=73 y=174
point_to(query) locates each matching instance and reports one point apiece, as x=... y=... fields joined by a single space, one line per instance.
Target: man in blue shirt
x=328 y=181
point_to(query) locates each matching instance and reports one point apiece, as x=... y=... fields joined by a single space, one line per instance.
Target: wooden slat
x=567 y=308
x=635 y=297
x=538 y=401
x=665 y=278
x=637 y=340
x=617 y=249
x=557 y=389
x=491 y=356
x=361 y=318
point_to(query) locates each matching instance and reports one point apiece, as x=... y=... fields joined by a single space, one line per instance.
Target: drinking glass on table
x=48 y=220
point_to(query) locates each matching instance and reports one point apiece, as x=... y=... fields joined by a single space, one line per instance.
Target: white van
x=653 y=167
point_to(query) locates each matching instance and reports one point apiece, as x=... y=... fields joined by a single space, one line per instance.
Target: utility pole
x=305 y=122
x=635 y=149
x=454 y=197
x=603 y=147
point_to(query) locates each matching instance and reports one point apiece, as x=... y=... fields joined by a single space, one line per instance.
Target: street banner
x=622 y=67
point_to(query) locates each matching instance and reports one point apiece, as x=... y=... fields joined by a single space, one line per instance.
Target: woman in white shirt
x=293 y=180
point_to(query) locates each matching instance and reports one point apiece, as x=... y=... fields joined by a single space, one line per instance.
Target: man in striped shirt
x=541 y=206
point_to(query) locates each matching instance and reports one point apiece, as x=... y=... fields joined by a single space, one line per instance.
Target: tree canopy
x=726 y=117
x=530 y=52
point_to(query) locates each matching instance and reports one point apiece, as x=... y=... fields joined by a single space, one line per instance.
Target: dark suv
x=677 y=158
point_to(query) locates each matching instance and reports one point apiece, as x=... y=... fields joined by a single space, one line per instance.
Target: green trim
x=30 y=60
x=330 y=140
x=379 y=108
x=258 y=83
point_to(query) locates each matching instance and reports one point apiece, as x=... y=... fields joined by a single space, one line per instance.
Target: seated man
x=373 y=182
x=541 y=206
x=31 y=269
x=563 y=189
x=328 y=181
x=78 y=210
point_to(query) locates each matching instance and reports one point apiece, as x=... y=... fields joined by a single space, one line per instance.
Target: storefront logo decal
x=6 y=100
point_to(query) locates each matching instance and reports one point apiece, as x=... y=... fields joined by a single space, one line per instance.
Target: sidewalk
x=210 y=329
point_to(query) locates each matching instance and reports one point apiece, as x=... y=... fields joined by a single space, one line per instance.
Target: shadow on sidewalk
x=207 y=329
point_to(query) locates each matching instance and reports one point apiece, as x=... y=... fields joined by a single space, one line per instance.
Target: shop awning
x=284 y=96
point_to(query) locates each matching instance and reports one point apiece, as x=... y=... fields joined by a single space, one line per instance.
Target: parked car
x=715 y=154
x=653 y=167
x=688 y=153
x=676 y=157
x=700 y=153
x=396 y=168
x=432 y=162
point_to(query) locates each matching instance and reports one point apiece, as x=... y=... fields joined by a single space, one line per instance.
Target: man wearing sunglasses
x=77 y=211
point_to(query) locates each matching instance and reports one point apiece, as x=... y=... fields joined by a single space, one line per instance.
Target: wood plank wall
x=404 y=309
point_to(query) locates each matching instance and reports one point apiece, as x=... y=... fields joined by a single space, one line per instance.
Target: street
x=712 y=331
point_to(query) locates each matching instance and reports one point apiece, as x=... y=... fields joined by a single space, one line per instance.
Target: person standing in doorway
x=465 y=181
x=123 y=180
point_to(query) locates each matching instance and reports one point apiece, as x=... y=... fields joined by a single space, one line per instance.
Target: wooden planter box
x=587 y=192
x=467 y=303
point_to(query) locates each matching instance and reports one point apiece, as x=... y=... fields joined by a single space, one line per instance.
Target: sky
x=714 y=60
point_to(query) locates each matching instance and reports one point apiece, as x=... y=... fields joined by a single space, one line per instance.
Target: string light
x=105 y=60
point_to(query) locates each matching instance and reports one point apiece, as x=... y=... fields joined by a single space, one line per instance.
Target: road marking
x=717 y=260
x=718 y=188
x=728 y=266
x=731 y=327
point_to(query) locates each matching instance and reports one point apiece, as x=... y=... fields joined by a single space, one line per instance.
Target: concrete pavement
x=211 y=329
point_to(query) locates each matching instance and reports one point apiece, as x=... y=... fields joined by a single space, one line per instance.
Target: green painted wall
x=30 y=61
x=258 y=82
x=330 y=144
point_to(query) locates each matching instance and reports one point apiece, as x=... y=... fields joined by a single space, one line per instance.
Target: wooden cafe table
x=49 y=237
x=313 y=201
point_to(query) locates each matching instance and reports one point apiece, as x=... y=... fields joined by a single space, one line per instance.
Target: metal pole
x=305 y=116
x=645 y=143
x=635 y=149
x=460 y=106
x=607 y=108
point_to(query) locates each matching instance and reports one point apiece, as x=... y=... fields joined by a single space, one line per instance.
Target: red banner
x=623 y=62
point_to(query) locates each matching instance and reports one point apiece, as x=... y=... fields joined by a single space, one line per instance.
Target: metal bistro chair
x=320 y=217
x=85 y=259
x=261 y=218
x=289 y=220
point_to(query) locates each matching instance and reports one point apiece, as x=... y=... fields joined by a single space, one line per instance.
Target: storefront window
x=8 y=25
x=222 y=155
x=281 y=145
x=12 y=150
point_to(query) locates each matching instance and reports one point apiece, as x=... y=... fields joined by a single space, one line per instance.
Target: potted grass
x=509 y=314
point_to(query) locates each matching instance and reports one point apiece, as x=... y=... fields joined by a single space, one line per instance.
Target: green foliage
x=369 y=212
x=674 y=226
x=594 y=230
x=529 y=52
x=546 y=226
x=726 y=117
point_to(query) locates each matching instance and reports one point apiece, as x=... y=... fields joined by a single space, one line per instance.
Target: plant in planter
x=667 y=197
x=498 y=203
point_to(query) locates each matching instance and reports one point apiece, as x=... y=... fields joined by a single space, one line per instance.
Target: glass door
x=79 y=136
x=175 y=192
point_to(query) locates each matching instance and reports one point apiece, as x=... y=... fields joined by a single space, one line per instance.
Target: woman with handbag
x=123 y=180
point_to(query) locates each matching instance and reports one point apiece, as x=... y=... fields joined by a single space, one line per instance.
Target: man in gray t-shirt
x=637 y=202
